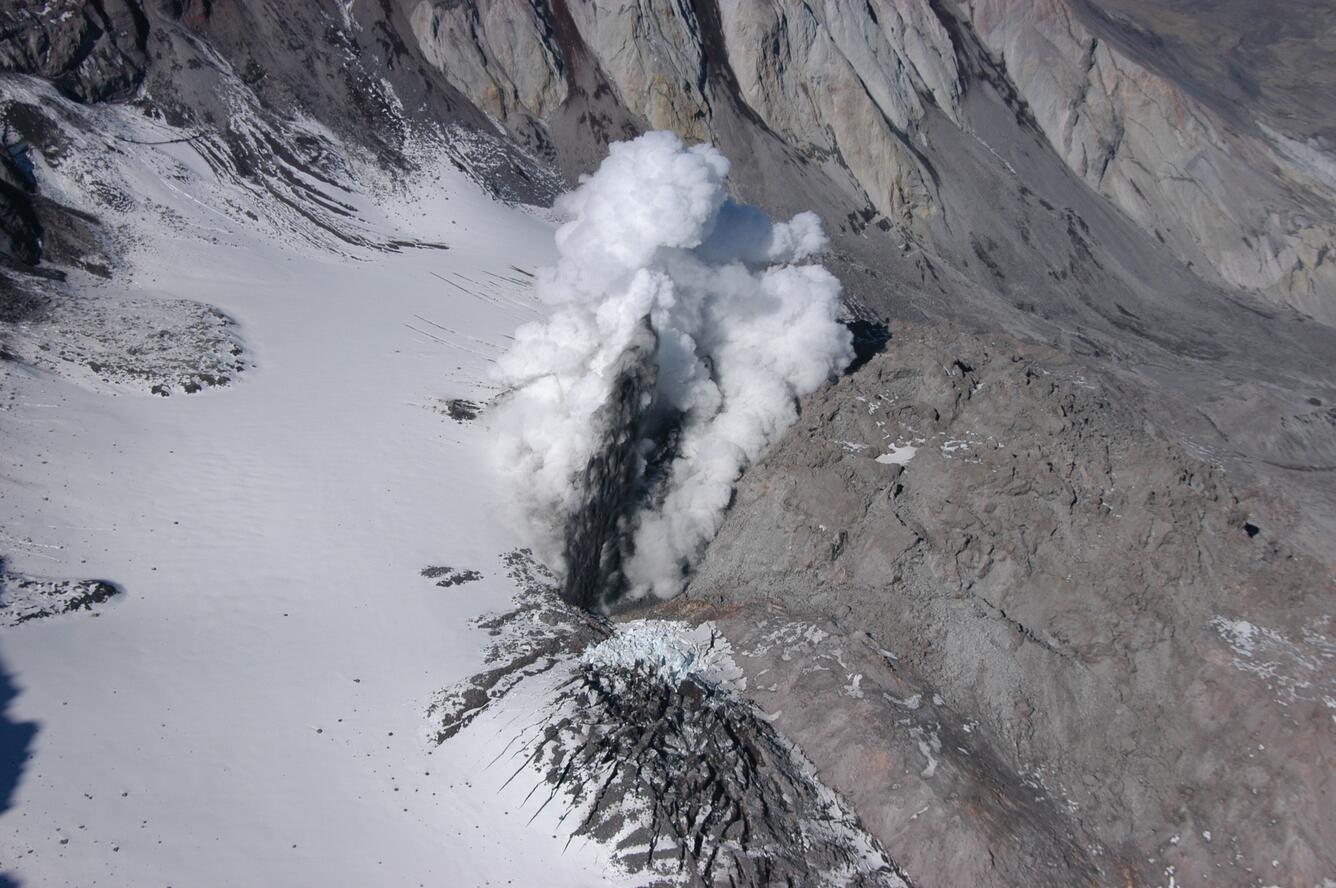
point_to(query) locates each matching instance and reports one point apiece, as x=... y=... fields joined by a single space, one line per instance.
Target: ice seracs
x=672 y=651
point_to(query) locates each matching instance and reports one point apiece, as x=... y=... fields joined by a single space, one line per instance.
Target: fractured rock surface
x=93 y=50
x=1126 y=625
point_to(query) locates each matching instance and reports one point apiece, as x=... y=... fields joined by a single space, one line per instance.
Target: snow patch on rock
x=898 y=456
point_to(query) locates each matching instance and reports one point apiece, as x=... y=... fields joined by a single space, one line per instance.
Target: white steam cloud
x=742 y=329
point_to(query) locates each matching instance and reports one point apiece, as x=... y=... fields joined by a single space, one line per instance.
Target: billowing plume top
x=647 y=194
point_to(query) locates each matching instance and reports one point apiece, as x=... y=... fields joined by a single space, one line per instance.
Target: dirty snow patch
x=1293 y=668
x=898 y=455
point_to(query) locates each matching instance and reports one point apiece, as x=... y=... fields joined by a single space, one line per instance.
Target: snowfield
x=251 y=710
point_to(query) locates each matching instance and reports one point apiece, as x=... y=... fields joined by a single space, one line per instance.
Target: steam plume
x=656 y=261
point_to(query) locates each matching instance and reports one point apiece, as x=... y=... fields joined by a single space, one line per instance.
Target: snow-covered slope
x=251 y=709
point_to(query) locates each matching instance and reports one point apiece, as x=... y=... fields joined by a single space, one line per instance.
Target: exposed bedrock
x=848 y=92
x=848 y=107
x=1067 y=650
x=20 y=227
x=882 y=116
x=92 y=50
x=1243 y=204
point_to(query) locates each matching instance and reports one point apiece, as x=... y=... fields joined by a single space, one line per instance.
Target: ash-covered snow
x=111 y=340
x=24 y=598
x=1291 y=667
x=646 y=744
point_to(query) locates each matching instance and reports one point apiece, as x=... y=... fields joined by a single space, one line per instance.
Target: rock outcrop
x=92 y=50
x=849 y=87
x=20 y=229
x=1129 y=667
x=1246 y=206
x=839 y=88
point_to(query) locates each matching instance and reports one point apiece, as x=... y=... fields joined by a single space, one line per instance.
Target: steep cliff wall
x=848 y=87
x=1240 y=204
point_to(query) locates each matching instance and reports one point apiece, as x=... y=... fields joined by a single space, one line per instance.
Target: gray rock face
x=499 y=52
x=832 y=83
x=842 y=101
x=850 y=87
x=842 y=84
x=20 y=229
x=1103 y=615
x=1275 y=62
x=1252 y=208
x=92 y=50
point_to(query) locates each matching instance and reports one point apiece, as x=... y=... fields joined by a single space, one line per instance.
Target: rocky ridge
x=1245 y=206
x=646 y=742
x=851 y=86
x=959 y=516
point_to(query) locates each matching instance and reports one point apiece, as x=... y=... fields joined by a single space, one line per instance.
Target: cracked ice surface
x=673 y=650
